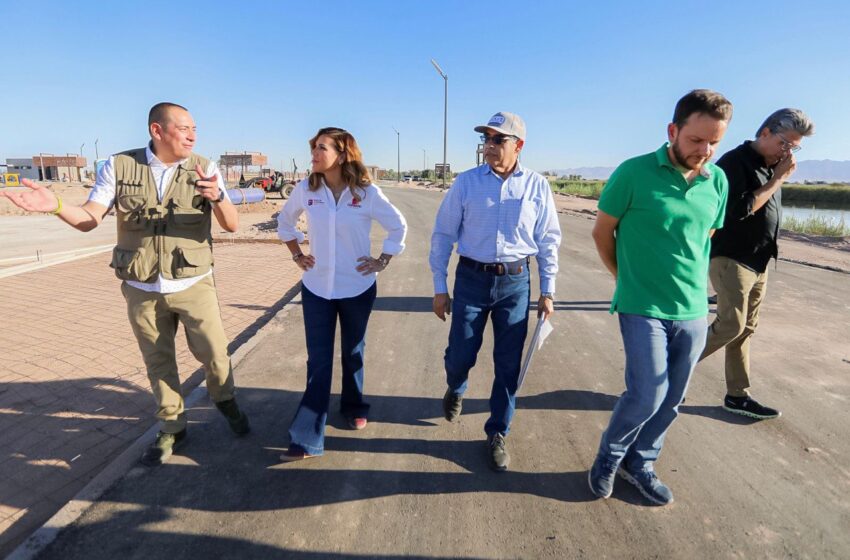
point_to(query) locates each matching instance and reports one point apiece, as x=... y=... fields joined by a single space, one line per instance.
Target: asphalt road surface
x=412 y=485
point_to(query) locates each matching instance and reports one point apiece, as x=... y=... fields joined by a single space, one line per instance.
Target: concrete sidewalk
x=73 y=388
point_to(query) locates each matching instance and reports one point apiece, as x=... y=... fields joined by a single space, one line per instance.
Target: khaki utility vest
x=172 y=236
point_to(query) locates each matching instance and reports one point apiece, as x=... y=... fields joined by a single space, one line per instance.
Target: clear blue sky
x=596 y=82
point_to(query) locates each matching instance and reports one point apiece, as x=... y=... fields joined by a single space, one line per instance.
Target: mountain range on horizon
x=828 y=170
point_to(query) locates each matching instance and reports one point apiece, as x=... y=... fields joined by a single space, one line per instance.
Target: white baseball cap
x=506 y=123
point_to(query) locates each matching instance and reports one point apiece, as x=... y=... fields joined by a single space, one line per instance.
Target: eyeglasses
x=497 y=139
x=788 y=146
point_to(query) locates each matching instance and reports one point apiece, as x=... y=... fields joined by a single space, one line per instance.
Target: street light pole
x=81 y=155
x=95 y=150
x=424 y=165
x=445 y=113
x=398 y=155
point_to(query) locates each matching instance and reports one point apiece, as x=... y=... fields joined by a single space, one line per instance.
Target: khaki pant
x=154 y=318
x=740 y=292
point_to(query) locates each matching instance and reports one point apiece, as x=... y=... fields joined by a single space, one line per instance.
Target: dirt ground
x=258 y=222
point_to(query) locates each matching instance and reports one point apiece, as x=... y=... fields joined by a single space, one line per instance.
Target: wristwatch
x=383 y=260
x=548 y=295
x=220 y=195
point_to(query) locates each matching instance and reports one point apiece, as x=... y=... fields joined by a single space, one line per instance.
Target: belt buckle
x=496 y=268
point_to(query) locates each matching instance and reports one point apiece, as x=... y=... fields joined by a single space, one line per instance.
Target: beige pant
x=740 y=292
x=154 y=318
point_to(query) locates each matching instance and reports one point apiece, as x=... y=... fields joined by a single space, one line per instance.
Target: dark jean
x=505 y=299
x=320 y=317
x=660 y=357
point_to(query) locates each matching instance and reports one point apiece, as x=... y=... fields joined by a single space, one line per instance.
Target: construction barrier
x=12 y=179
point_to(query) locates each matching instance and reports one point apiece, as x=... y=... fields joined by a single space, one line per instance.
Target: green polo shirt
x=662 y=236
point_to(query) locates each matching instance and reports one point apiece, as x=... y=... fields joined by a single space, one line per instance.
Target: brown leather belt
x=496 y=269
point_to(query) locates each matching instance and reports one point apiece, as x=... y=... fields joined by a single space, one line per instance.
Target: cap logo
x=497 y=120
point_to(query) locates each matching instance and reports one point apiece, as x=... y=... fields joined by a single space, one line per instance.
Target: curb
x=78 y=254
x=815 y=265
x=129 y=458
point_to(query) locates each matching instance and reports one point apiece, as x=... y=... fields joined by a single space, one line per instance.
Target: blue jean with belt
x=660 y=357
x=320 y=317
x=505 y=300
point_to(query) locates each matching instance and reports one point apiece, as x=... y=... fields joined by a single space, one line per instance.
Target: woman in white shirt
x=339 y=278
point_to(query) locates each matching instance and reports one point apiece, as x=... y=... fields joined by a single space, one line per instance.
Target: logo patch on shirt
x=355 y=203
x=312 y=201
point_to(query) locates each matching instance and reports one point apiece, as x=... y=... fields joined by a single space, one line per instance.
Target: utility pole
x=445 y=113
x=398 y=155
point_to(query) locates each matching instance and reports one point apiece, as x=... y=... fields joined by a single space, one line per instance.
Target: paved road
x=25 y=236
x=413 y=485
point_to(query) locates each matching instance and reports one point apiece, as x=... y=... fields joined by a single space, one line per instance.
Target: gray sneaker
x=601 y=476
x=647 y=482
x=498 y=455
x=161 y=450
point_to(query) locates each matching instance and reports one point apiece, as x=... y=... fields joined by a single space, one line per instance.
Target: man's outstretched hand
x=36 y=198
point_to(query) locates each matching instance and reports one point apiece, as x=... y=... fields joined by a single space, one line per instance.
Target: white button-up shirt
x=339 y=235
x=103 y=193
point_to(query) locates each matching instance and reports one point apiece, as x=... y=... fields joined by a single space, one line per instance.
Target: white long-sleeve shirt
x=103 y=193
x=339 y=235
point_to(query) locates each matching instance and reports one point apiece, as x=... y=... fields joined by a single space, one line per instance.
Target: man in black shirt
x=742 y=249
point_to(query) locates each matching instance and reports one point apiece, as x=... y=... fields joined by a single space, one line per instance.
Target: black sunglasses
x=497 y=139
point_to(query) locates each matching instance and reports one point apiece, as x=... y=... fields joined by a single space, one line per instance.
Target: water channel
x=833 y=215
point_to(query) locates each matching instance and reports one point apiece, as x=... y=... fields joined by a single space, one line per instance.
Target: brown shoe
x=295 y=453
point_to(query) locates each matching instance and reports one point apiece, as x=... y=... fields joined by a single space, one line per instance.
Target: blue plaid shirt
x=495 y=220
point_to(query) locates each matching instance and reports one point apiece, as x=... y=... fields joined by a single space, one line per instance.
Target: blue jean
x=320 y=316
x=660 y=357
x=505 y=299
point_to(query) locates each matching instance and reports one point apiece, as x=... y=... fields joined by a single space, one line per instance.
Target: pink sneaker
x=357 y=423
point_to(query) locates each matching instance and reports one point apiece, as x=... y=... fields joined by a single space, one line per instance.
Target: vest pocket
x=130 y=264
x=131 y=212
x=192 y=262
x=187 y=217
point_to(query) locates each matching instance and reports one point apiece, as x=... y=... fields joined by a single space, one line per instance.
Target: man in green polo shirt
x=656 y=216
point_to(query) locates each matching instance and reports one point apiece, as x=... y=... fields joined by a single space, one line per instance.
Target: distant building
x=59 y=168
x=376 y=172
x=23 y=167
x=238 y=166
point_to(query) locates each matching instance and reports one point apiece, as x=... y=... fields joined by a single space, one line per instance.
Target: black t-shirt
x=748 y=237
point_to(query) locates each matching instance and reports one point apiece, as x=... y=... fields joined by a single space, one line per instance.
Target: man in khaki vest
x=164 y=198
